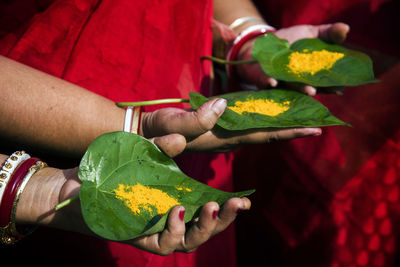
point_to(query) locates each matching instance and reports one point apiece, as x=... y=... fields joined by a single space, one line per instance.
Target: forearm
x=44 y=111
x=227 y=11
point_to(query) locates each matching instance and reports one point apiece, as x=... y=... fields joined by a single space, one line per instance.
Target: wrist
x=244 y=41
x=40 y=196
x=47 y=188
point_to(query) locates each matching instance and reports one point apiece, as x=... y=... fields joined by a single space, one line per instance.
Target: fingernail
x=182 y=214
x=339 y=92
x=214 y=214
x=317 y=132
x=312 y=91
x=219 y=106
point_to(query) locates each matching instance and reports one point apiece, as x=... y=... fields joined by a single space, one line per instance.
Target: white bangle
x=252 y=28
x=9 y=166
x=242 y=20
x=132 y=119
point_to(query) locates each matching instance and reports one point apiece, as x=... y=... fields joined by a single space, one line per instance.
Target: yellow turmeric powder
x=184 y=188
x=261 y=106
x=300 y=62
x=140 y=197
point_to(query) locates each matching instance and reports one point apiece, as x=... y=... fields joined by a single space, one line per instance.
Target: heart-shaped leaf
x=313 y=62
x=129 y=186
x=286 y=109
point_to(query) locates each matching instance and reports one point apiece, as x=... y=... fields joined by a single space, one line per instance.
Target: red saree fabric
x=126 y=51
x=332 y=200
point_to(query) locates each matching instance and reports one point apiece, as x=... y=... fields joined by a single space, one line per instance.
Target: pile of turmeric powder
x=260 y=106
x=305 y=62
x=140 y=197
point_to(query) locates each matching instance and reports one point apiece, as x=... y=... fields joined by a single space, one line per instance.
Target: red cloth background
x=124 y=50
x=332 y=200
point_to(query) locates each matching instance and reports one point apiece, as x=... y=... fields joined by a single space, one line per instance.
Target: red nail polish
x=214 y=215
x=181 y=215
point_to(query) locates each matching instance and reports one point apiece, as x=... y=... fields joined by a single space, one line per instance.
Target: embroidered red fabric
x=331 y=200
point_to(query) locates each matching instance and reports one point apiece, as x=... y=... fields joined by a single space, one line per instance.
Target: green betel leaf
x=119 y=170
x=294 y=110
x=313 y=62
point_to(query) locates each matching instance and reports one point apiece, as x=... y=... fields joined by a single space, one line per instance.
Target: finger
x=272 y=82
x=172 y=236
x=167 y=241
x=338 y=90
x=221 y=140
x=172 y=144
x=279 y=135
x=188 y=123
x=203 y=119
x=229 y=211
x=335 y=33
x=302 y=88
x=308 y=90
x=312 y=91
x=203 y=229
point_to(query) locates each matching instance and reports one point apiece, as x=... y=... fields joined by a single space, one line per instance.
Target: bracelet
x=9 y=167
x=8 y=231
x=242 y=20
x=245 y=36
x=132 y=119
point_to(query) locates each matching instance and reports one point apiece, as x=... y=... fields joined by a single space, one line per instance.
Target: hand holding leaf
x=197 y=126
x=129 y=186
x=263 y=52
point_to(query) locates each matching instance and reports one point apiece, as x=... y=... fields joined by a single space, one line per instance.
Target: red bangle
x=245 y=36
x=11 y=190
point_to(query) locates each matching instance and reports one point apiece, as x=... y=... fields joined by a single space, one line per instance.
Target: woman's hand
x=253 y=74
x=177 y=130
x=186 y=238
x=177 y=236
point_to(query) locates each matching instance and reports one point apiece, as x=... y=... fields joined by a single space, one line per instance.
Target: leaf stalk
x=227 y=62
x=65 y=203
x=152 y=102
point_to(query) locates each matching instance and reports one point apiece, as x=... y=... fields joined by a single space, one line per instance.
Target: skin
x=50 y=124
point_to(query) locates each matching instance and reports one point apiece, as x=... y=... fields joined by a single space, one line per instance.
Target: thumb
x=187 y=123
x=172 y=144
x=335 y=33
x=207 y=115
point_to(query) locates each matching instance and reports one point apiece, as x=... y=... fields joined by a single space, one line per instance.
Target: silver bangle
x=132 y=119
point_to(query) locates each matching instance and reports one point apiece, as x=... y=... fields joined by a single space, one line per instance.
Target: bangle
x=9 y=167
x=8 y=231
x=242 y=20
x=245 y=36
x=132 y=119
